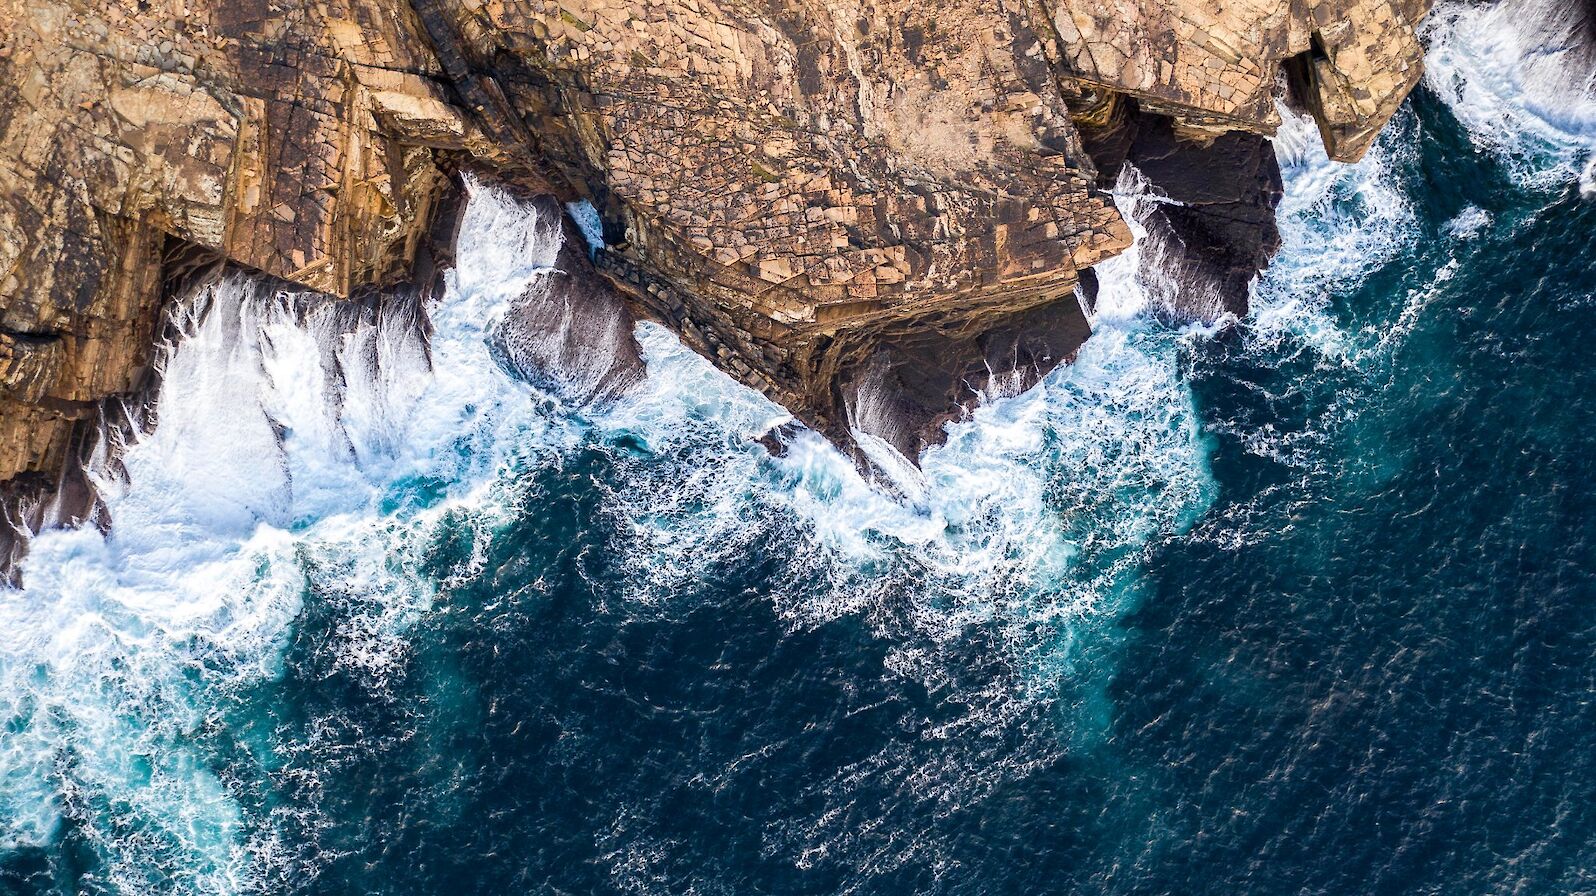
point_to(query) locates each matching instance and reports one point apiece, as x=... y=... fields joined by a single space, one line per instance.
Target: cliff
x=865 y=209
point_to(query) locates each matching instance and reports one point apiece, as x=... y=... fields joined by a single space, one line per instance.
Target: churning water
x=1305 y=606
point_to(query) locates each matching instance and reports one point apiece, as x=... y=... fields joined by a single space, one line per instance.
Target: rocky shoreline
x=867 y=211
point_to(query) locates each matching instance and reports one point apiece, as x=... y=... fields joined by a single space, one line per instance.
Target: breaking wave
x=310 y=452
x=1520 y=75
x=310 y=456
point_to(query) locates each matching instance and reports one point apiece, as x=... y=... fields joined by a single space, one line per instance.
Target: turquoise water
x=1299 y=606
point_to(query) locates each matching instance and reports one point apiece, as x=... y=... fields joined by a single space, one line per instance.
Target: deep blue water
x=1338 y=636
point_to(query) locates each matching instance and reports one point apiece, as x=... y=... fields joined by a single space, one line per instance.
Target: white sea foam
x=285 y=421
x=1469 y=222
x=588 y=223
x=1103 y=455
x=1338 y=223
x=1520 y=82
x=302 y=441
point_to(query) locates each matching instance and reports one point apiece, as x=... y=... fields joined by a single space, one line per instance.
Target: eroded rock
x=296 y=141
x=1207 y=209
x=571 y=332
x=914 y=383
x=810 y=193
x=1215 y=66
x=791 y=182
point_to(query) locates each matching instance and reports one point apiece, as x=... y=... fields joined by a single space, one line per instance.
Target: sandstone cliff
x=863 y=208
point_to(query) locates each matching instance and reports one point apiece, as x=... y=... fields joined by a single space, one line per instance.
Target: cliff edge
x=864 y=209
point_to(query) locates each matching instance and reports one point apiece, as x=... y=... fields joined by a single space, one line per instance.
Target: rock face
x=793 y=184
x=1209 y=211
x=803 y=188
x=298 y=142
x=1214 y=66
x=569 y=332
x=813 y=193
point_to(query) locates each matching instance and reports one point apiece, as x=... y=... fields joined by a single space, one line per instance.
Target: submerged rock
x=779 y=438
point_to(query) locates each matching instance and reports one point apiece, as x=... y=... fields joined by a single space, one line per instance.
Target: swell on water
x=307 y=450
x=310 y=456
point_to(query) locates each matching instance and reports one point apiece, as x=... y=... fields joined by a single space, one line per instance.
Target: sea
x=1300 y=604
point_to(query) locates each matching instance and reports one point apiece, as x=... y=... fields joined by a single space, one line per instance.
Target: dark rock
x=1086 y=291
x=778 y=439
x=909 y=388
x=1210 y=209
x=34 y=503
x=570 y=332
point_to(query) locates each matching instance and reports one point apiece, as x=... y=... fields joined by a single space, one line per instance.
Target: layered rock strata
x=793 y=185
x=299 y=142
x=1215 y=66
x=814 y=194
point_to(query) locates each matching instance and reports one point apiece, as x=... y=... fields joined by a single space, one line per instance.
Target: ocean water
x=1300 y=606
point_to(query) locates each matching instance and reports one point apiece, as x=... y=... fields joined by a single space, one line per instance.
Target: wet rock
x=779 y=438
x=802 y=190
x=910 y=387
x=1208 y=206
x=570 y=332
x=34 y=503
x=1211 y=222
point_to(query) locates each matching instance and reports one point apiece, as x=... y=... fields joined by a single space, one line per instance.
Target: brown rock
x=1214 y=66
x=806 y=191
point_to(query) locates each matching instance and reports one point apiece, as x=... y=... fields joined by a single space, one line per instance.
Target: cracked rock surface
x=812 y=193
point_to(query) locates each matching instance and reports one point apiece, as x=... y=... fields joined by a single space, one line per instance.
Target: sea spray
x=1338 y=223
x=286 y=421
x=332 y=487
x=1520 y=75
x=1305 y=707
x=307 y=450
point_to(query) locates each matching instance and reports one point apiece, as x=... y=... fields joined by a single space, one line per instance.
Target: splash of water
x=307 y=448
x=286 y=423
x=1519 y=75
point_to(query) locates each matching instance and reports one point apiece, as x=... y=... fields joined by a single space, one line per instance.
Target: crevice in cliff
x=1301 y=71
x=1211 y=225
x=570 y=332
x=901 y=388
x=481 y=92
x=31 y=337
